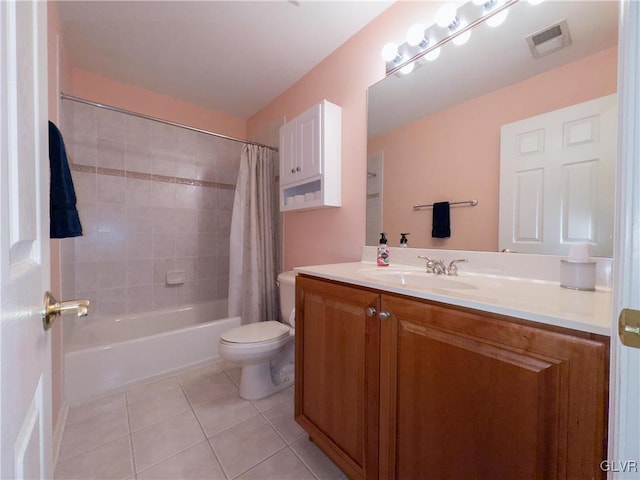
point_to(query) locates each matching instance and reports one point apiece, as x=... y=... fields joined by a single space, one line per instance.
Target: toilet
x=264 y=350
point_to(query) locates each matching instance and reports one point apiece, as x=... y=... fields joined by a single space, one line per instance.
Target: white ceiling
x=233 y=56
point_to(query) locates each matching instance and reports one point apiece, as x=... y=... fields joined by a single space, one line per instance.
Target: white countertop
x=541 y=301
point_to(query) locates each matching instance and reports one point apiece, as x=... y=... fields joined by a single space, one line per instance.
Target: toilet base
x=256 y=382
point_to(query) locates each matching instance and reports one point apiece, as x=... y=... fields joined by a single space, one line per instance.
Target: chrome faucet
x=439 y=268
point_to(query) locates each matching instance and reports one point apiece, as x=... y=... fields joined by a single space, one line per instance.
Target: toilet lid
x=256 y=332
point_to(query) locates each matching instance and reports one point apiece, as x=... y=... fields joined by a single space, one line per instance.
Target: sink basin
x=416 y=279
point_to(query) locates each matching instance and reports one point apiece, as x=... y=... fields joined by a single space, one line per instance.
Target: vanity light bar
x=407 y=54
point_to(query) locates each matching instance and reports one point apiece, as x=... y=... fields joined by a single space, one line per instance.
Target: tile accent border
x=116 y=172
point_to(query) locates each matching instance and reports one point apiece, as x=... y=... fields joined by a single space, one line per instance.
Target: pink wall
x=338 y=234
x=459 y=153
x=91 y=86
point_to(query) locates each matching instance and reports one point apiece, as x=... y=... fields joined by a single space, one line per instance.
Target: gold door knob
x=53 y=309
x=629 y=327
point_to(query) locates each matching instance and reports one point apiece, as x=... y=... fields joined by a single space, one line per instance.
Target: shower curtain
x=253 y=255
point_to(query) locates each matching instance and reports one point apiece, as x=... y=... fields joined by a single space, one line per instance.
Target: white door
x=25 y=353
x=557 y=180
x=309 y=150
x=624 y=413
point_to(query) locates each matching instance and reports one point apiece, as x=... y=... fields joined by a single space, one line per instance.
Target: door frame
x=624 y=414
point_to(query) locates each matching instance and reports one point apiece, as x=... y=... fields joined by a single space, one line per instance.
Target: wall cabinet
x=425 y=390
x=310 y=159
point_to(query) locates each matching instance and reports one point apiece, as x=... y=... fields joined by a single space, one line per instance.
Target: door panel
x=25 y=362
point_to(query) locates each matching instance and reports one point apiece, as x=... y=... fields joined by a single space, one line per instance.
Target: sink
x=416 y=279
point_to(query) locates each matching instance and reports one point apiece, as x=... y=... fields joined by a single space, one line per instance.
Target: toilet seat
x=256 y=333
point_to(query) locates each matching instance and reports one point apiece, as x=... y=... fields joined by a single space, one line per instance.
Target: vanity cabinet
x=427 y=390
x=310 y=159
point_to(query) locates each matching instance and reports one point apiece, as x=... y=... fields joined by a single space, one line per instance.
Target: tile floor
x=190 y=426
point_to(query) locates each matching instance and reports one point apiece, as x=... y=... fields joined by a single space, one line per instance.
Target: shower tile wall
x=152 y=198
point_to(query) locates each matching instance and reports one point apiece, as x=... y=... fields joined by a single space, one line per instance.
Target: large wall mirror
x=435 y=134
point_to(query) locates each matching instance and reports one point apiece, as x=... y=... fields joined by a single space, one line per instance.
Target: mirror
x=434 y=134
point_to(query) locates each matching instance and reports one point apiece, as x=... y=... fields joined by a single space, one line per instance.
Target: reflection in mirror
x=435 y=134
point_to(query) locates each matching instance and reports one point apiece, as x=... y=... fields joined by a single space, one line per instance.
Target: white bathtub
x=114 y=352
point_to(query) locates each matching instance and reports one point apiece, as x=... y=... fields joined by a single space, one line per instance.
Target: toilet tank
x=287 y=281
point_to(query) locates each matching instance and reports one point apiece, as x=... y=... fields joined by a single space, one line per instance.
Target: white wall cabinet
x=310 y=158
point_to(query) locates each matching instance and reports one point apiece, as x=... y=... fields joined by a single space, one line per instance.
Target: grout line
x=133 y=452
x=262 y=461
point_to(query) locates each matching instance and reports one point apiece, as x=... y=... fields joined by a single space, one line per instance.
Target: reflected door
x=556 y=179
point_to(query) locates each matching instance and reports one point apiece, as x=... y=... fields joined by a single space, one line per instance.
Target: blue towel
x=441 y=221
x=65 y=221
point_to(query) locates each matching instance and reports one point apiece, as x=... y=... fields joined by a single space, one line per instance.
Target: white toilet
x=265 y=350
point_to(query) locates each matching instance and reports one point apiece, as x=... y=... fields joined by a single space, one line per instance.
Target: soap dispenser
x=404 y=241
x=383 y=252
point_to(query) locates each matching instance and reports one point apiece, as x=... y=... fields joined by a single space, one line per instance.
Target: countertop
x=540 y=301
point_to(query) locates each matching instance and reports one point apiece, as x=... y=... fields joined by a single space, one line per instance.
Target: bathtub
x=115 y=352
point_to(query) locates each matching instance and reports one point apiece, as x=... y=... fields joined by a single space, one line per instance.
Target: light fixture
x=446 y=16
x=415 y=36
x=433 y=54
x=535 y=2
x=462 y=38
x=408 y=68
x=390 y=53
x=452 y=24
x=498 y=19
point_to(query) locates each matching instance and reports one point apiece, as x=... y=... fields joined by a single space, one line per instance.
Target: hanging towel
x=62 y=196
x=441 y=221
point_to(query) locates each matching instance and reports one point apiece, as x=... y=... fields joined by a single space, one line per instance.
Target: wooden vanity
x=392 y=386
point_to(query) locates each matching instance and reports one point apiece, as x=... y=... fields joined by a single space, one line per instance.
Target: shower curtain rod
x=64 y=96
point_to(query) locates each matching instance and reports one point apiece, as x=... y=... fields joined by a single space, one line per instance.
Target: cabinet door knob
x=370 y=312
x=293 y=170
x=297 y=169
x=385 y=315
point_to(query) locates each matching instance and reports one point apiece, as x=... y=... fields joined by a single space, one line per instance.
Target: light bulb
x=433 y=54
x=498 y=18
x=408 y=68
x=390 y=52
x=462 y=38
x=446 y=15
x=415 y=35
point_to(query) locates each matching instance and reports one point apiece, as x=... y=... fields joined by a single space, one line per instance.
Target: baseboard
x=58 y=432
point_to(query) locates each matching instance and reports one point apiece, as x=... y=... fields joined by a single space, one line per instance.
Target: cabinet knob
x=370 y=312
x=293 y=170
x=385 y=315
x=297 y=169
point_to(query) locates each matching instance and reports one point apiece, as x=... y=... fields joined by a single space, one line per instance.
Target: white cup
x=290 y=200
x=299 y=198
x=309 y=197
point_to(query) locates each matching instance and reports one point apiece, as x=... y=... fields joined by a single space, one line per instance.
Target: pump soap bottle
x=404 y=241
x=383 y=252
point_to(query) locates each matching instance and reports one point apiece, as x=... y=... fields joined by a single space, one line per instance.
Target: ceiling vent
x=549 y=40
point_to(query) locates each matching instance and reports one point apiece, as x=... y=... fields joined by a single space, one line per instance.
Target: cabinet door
x=470 y=396
x=287 y=152
x=337 y=372
x=309 y=159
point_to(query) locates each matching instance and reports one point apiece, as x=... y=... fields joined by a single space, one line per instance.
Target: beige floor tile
x=226 y=365
x=149 y=391
x=284 y=465
x=316 y=460
x=194 y=464
x=88 y=410
x=165 y=439
x=208 y=388
x=93 y=432
x=241 y=447
x=165 y=405
x=197 y=373
x=224 y=412
x=281 y=418
x=234 y=374
x=110 y=461
x=276 y=399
